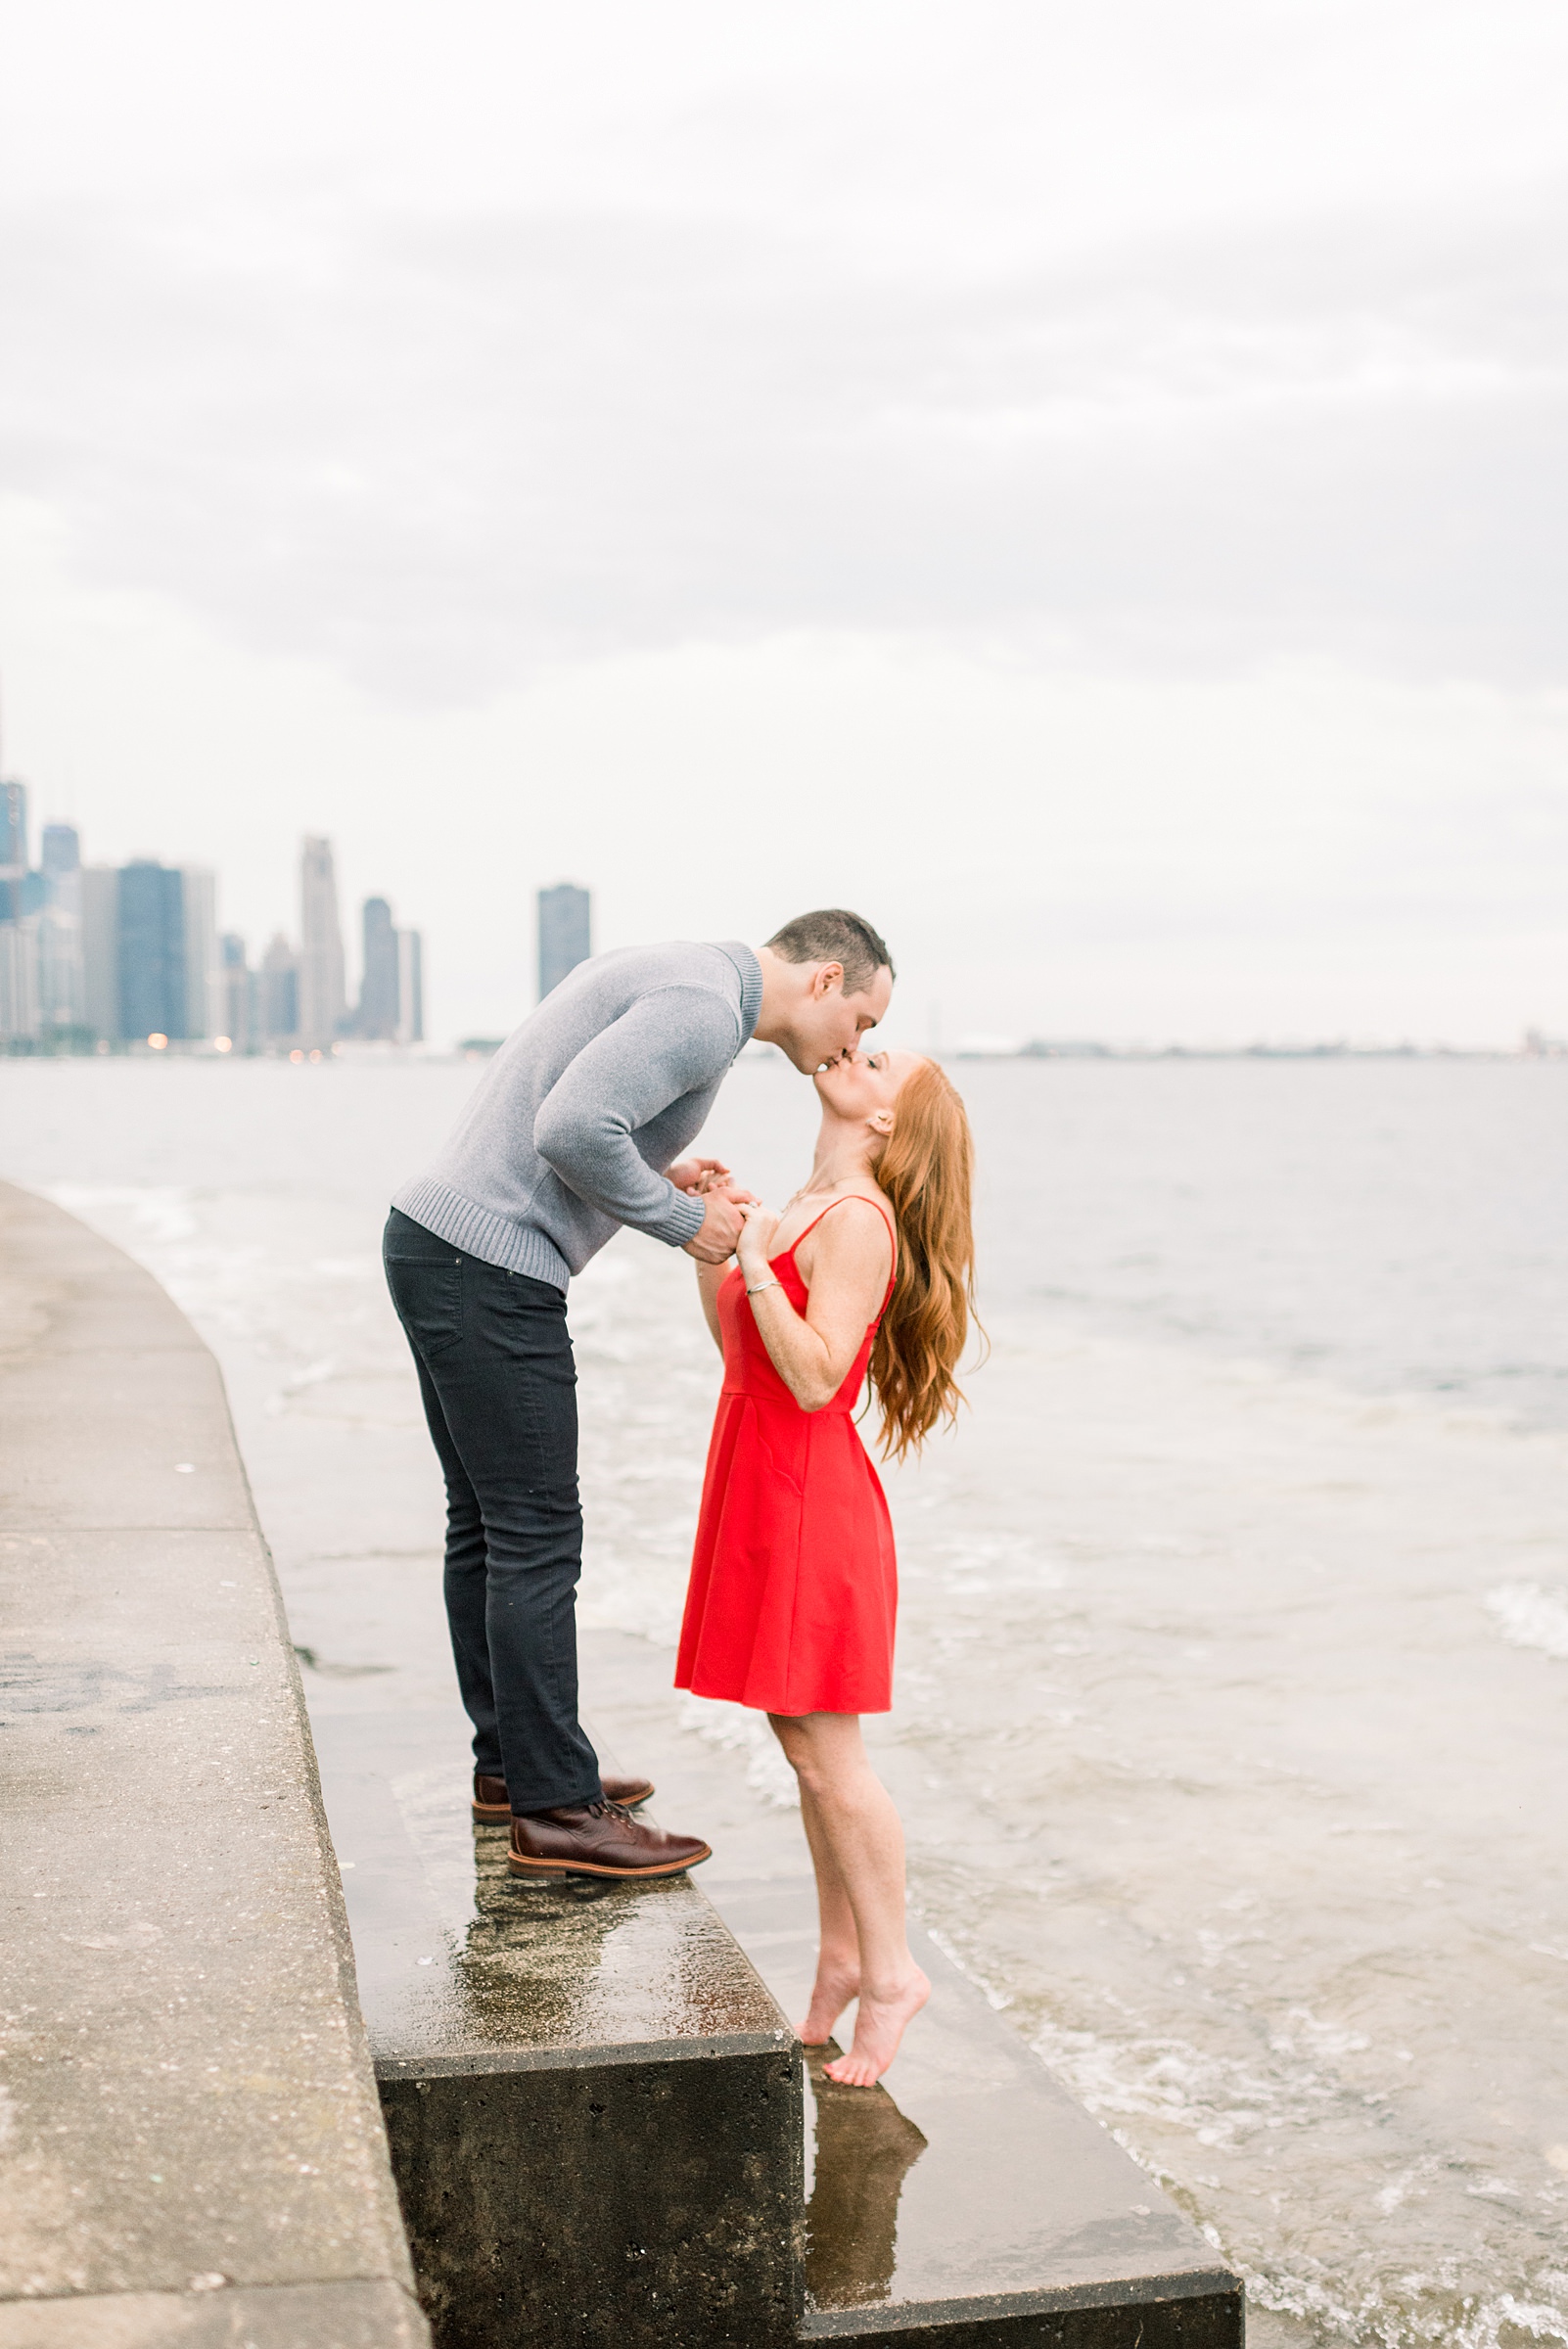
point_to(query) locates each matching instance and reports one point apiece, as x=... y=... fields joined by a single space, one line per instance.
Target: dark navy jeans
x=500 y=1392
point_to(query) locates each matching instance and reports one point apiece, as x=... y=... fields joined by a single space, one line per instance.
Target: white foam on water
x=162 y=1216
x=1529 y=1616
x=1220 y=2101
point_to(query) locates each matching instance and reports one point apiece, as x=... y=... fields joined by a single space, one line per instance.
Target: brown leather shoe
x=491 y=1805
x=597 y=1839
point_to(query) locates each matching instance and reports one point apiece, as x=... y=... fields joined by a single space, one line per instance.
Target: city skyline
x=104 y=956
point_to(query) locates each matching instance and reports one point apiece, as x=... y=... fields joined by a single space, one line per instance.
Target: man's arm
x=666 y=1044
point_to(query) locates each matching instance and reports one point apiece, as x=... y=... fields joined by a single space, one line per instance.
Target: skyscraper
x=564 y=932
x=204 y=969
x=18 y=922
x=62 y=975
x=323 y=996
x=13 y=847
x=100 y=949
x=240 y=990
x=153 y=983
x=410 y=987
x=280 y=992
x=378 y=993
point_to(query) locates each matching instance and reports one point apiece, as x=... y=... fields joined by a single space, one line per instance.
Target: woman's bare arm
x=852 y=1257
x=709 y=1277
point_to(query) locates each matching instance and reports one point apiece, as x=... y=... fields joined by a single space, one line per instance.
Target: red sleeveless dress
x=793 y=1584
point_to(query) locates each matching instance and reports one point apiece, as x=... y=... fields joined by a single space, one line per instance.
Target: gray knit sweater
x=570 y=1130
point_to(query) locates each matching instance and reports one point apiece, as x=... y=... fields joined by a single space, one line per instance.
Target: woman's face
x=865 y=1084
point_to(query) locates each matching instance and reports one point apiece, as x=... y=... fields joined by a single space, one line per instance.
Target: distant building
x=152 y=998
x=323 y=998
x=377 y=1016
x=410 y=987
x=170 y=978
x=204 y=965
x=564 y=932
x=19 y=923
x=16 y=922
x=100 y=949
x=13 y=847
x=280 y=992
x=62 y=974
x=240 y=1005
x=391 y=991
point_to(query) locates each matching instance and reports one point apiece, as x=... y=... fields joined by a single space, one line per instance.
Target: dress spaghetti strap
x=879 y=1205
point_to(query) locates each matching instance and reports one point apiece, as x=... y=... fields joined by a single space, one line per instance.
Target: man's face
x=830 y=1022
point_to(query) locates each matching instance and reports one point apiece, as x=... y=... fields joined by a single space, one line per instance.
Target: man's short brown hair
x=835 y=936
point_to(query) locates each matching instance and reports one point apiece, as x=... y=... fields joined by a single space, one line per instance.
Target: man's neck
x=772 y=1022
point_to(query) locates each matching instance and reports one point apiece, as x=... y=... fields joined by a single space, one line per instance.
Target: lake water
x=1230 y=1728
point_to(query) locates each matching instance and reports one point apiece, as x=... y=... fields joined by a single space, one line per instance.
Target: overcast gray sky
x=1084 y=485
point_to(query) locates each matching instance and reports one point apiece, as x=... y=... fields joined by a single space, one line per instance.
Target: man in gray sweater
x=577 y=1129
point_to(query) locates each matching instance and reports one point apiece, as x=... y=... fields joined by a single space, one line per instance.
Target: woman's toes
x=879 y=2026
x=851 y=2071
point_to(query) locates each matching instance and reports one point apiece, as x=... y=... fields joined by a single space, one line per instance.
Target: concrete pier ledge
x=594 y=2106
x=191 y=2143
x=596 y=2100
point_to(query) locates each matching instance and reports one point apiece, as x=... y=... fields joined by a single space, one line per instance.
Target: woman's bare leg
x=849 y=1817
x=838 y=1948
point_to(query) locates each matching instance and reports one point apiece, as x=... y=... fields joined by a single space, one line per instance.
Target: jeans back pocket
x=429 y=1299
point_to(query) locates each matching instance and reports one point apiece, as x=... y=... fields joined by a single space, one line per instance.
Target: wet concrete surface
x=187 y=2110
x=457 y=1959
x=593 y=2104
x=969 y=2190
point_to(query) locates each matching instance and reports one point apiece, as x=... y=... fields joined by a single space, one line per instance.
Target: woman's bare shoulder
x=860 y=1232
x=867 y=1195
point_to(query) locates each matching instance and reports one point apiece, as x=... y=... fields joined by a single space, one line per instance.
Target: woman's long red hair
x=926 y=1172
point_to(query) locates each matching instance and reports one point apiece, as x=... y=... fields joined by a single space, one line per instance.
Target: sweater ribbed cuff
x=682 y=1222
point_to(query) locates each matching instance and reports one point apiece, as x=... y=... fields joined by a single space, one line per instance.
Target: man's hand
x=696 y=1173
x=722 y=1221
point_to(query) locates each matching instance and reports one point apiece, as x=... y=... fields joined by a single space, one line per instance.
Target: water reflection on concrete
x=866 y=2148
x=527 y=1966
x=575 y=1961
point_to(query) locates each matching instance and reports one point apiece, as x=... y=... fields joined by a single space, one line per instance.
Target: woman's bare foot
x=879 y=2025
x=838 y=1981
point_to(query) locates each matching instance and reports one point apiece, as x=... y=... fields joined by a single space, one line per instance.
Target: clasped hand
x=724 y=1206
x=757 y=1234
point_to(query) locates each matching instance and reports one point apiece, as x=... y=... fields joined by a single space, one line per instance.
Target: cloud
x=438 y=453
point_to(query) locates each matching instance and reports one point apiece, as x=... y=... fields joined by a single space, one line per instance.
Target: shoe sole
x=588 y=1868
x=499 y=1814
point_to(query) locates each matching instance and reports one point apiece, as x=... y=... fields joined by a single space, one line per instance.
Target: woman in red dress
x=794 y=1584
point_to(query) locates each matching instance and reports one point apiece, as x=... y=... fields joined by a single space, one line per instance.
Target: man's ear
x=829 y=975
